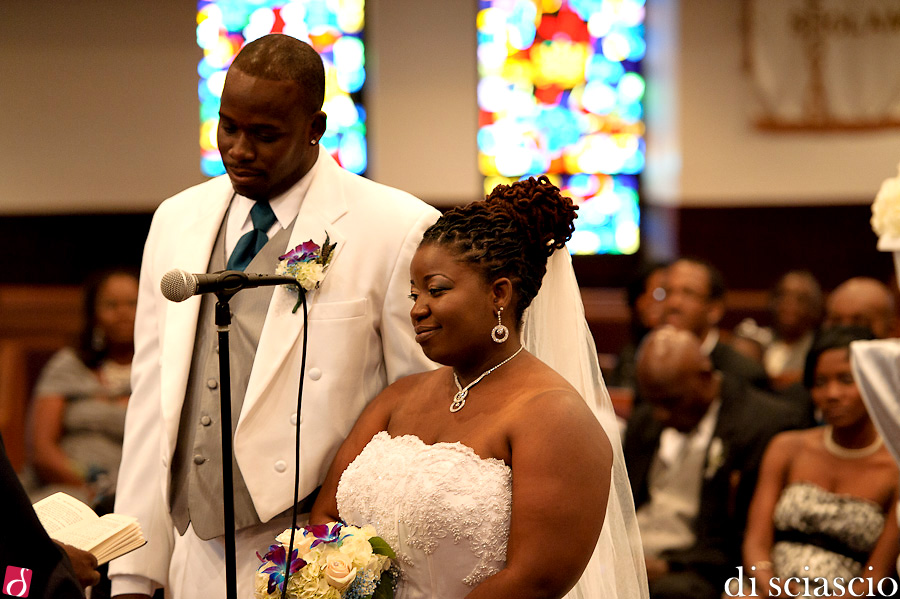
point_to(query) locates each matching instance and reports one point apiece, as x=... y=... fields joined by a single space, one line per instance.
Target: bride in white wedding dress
x=496 y=475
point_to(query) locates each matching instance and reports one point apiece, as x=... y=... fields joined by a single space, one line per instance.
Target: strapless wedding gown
x=443 y=509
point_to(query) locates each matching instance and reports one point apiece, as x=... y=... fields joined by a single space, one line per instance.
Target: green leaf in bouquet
x=380 y=547
x=385 y=588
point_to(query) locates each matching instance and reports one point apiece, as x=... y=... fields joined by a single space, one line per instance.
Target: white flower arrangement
x=886 y=214
x=328 y=561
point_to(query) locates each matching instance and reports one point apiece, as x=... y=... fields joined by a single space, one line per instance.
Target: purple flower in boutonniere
x=307 y=263
x=306 y=251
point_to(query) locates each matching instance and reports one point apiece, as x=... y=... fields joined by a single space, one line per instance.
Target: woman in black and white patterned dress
x=824 y=507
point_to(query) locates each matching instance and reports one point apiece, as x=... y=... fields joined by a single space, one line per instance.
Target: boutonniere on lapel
x=715 y=457
x=307 y=263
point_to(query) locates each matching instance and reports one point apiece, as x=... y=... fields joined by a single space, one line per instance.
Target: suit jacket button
x=205 y=420
x=199 y=459
x=280 y=466
x=315 y=374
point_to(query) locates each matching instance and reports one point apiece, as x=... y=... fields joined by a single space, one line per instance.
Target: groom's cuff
x=125 y=584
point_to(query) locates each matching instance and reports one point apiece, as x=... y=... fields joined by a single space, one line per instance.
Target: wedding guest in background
x=750 y=340
x=825 y=503
x=645 y=294
x=695 y=302
x=78 y=415
x=865 y=302
x=797 y=309
x=472 y=471
x=282 y=189
x=693 y=449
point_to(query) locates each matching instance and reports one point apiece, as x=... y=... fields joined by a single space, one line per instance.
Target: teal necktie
x=250 y=243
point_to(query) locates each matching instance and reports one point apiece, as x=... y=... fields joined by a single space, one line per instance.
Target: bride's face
x=453 y=308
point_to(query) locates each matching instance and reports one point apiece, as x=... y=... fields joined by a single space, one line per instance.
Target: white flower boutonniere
x=886 y=214
x=715 y=457
x=307 y=263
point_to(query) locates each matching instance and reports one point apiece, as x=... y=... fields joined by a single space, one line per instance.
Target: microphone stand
x=225 y=285
x=223 y=324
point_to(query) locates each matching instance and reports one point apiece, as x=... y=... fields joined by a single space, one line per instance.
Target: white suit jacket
x=360 y=340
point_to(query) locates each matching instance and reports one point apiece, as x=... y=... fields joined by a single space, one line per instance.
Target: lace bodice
x=443 y=509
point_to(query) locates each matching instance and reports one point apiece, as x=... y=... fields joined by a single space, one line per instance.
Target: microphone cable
x=289 y=559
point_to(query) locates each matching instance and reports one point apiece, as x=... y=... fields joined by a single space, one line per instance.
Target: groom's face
x=265 y=134
x=452 y=305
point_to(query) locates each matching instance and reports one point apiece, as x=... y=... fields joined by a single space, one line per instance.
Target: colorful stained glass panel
x=561 y=92
x=334 y=29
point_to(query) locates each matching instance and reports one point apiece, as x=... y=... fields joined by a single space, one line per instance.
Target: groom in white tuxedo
x=281 y=190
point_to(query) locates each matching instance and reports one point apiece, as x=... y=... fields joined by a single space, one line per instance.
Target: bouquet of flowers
x=329 y=561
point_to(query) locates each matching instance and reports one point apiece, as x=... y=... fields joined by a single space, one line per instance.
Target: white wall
x=98 y=110
x=98 y=103
x=713 y=155
x=422 y=112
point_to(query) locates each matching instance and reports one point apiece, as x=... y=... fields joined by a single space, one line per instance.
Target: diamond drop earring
x=500 y=333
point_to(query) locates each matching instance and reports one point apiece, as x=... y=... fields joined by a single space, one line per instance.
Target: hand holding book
x=71 y=522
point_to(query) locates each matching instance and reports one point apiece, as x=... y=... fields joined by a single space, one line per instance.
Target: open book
x=70 y=521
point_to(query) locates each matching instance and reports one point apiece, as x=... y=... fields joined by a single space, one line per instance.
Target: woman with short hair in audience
x=78 y=417
x=824 y=506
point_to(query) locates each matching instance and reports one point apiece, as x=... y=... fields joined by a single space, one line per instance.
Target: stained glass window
x=334 y=29
x=560 y=92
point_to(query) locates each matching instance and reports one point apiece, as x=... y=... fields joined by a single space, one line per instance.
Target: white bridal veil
x=555 y=330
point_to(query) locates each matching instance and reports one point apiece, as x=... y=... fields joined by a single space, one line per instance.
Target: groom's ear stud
x=313 y=142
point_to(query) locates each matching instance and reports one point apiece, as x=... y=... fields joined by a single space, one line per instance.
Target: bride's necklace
x=459 y=400
x=843 y=452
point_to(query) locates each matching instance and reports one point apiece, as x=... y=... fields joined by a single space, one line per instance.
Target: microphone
x=178 y=285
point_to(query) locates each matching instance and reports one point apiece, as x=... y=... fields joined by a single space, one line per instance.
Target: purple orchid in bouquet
x=325 y=533
x=277 y=557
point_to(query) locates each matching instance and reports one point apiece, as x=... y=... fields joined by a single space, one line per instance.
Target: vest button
x=212 y=383
x=199 y=459
x=315 y=374
x=280 y=466
x=205 y=420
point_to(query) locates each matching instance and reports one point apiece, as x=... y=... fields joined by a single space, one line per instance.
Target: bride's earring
x=500 y=333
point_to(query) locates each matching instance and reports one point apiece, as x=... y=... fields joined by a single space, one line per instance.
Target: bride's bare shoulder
x=544 y=393
x=413 y=383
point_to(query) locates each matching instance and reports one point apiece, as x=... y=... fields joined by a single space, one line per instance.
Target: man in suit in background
x=695 y=302
x=863 y=302
x=693 y=449
x=281 y=190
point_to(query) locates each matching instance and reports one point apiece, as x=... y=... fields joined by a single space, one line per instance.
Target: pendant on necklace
x=459 y=400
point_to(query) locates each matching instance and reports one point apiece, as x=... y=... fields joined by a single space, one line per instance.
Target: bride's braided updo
x=509 y=234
